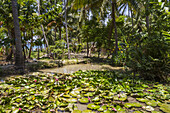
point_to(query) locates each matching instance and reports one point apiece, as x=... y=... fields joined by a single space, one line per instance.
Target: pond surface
x=72 y=69
x=76 y=67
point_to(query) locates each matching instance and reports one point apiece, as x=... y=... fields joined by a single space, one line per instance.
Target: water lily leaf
x=151 y=103
x=63 y=104
x=51 y=99
x=7 y=111
x=96 y=99
x=93 y=106
x=123 y=98
x=102 y=108
x=148 y=108
x=72 y=100
x=88 y=111
x=84 y=100
x=76 y=111
x=129 y=105
x=137 y=112
x=89 y=94
x=142 y=99
x=156 y=112
x=165 y=108
x=66 y=96
x=107 y=111
x=16 y=110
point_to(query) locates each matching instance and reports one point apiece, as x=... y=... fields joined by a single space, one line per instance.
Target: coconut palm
x=19 y=59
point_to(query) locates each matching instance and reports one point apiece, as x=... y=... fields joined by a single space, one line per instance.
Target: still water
x=76 y=67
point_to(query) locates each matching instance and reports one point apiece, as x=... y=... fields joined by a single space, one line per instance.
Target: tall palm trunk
x=114 y=24
x=65 y=2
x=19 y=59
x=31 y=44
x=47 y=45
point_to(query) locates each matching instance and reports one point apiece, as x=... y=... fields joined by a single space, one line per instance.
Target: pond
x=76 y=67
x=72 y=69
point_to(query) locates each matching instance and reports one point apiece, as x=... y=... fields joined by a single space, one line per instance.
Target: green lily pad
x=107 y=111
x=123 y=98
x=142 y=99
x=16 y=110
x=89 y=94
x=148 y=108
x=96 y=99
x=156 y=112
x=76 y=111
x=88 y=111
x=129 y=105
x=66 y=96
x=93 y=106
x=165 y=108
x=102 y=108
x=151 y=103
x=72 y=100
x=137 y=112
x=84 y=100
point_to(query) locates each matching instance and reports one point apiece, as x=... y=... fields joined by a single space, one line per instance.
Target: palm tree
x=65 y=3
x=39 y=13
x=19 y=59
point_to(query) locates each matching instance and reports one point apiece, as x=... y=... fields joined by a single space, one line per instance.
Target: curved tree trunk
x=38 y=2
x=114 y=24
x=19 y=59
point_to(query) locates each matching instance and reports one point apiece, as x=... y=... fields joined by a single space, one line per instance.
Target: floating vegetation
x=101 y=91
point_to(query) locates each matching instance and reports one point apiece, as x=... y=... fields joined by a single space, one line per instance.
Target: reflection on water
x=76 y=67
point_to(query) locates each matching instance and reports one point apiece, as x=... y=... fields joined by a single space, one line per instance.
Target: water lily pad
x=89 y=94
x=148 y=108
x=102 y=108
x=96 y=99
x=88 y=111
x=72 y=100
x=137 y=112
x=93 y=106
x=107 y=111
x=76 y=111
x=129 y=105
x=66 y=96
x=156 y=112
x=16 y=110
x=165 y=108
x=151 y=103
x=142 y=99
x=84 y=100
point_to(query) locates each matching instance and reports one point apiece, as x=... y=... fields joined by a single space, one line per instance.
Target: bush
x=150 y=59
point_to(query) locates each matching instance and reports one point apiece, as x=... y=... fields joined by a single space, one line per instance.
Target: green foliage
x=59 y=49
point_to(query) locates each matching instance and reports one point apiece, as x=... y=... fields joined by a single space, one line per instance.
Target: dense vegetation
x=101 y=91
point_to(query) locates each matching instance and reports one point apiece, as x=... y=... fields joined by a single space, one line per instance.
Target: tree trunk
x=19 y=59
x=114 y=23
x=132 y=20
x=29 y=56
x=87 y=47
x=38 y=56
x=38 y=2
x=65 y=2
x=60 y=32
